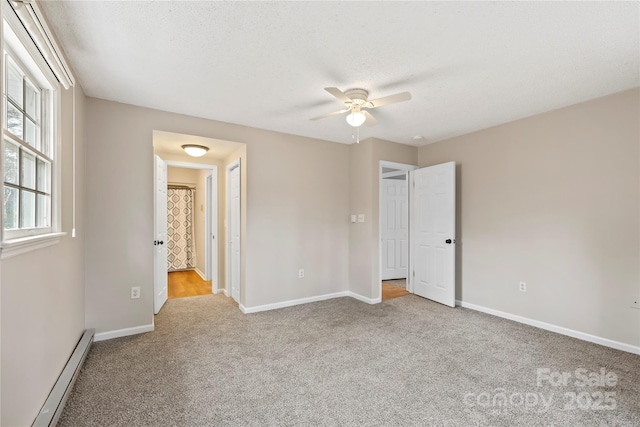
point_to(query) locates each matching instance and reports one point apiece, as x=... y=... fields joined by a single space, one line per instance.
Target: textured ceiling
x=468 y=66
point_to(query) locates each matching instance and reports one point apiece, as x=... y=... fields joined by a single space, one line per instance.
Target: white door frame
x=402 y=167
x=228 y=290
x=211 y=229
x=211 y=217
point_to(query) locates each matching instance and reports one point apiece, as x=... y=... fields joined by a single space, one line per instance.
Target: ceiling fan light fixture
x=356 y=118
x=195 y=150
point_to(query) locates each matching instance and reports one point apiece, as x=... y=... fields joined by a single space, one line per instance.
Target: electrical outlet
x=523 y=287
x=135 y=292
x=353 y=218
x=635 y=302
x=301 y=273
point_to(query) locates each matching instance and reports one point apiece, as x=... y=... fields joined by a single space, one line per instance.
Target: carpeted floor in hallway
x=407 y=361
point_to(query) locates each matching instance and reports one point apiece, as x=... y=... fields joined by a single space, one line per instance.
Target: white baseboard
x=290 y=303
x=220 y=291
x=102 y=336
x=363 y=298
x=200 y=273
x=553 y=328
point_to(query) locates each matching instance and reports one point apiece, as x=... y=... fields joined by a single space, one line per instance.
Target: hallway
x=187 y=284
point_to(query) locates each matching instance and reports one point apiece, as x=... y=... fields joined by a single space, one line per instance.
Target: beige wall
x=361 y=202
x=364 y=238
x=552 y=200
x=178 y=175
x=42 y=314
x=295 y=209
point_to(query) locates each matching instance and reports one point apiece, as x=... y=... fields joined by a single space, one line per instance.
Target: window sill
x=14 y=247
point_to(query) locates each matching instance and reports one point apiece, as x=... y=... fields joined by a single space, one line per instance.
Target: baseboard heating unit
x=53 y=406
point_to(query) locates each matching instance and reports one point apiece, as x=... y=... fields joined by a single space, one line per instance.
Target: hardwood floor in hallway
x=394 y=289
x=187 y=284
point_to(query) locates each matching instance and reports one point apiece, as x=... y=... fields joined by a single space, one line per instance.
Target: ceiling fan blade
x=335 y=113
x=338 y=94
x=370 y=121
x=391 y=99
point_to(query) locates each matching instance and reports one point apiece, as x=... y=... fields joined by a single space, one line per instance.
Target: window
x=30 y=115
x=27 y=154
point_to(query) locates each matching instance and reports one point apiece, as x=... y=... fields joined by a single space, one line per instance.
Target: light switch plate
x=360 y=217
x=353 y=218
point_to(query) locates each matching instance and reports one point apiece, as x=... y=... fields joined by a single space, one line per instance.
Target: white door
x=211 y=229
x=234 y=231
x=433 y=219
x=160 y=234
x=395 y=230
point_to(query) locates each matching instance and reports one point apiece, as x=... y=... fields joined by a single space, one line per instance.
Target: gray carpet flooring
x=404 y=362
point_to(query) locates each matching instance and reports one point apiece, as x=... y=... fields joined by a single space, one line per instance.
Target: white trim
x=395 y=165
x=218 y=291
x=102 y=336
x=73 y=163
x=200 y=273
x=290 y=303
x=553 y=328
x=364 y=299
x=211 y=235
x=388 y=175
x=11 y=248
x=28 y=52
x=187 y=165
x=231 y=166
x=33 y=20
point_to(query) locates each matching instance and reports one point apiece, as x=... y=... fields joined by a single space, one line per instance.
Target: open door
x=433 y=227
x=394 y=227
x=234 y=229
x=160 y=234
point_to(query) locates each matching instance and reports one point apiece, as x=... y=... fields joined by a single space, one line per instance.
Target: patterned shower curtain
x=181 y=252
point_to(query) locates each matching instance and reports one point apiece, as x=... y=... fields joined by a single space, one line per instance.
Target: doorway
x=394 y=228
x=188 y=263
x=417 y=230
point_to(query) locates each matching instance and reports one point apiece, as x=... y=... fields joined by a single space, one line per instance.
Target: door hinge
x=414 y=273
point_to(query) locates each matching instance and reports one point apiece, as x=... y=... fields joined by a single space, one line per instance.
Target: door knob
x=448 y=241
x=161 y=242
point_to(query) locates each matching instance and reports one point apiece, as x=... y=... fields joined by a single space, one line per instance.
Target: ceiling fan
x=356 y=103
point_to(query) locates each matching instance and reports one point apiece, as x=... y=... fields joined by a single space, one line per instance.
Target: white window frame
x=28 y=55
